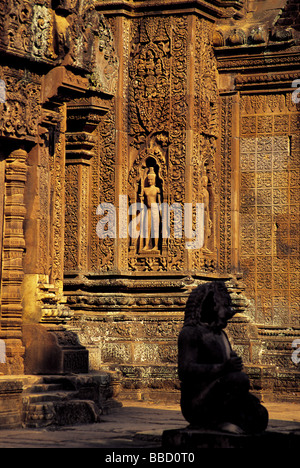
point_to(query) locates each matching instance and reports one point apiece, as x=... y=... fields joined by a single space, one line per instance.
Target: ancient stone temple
x=147 y=147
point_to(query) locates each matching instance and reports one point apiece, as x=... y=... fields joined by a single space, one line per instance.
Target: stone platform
x=138 y=426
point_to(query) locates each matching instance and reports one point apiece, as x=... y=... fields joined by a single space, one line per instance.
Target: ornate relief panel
x=2 y=194
x=206 y=118
x=149 y=72
x=154 y=138
x=102 y=251
x=92 y=48
x=270 y=205
x=70 y=34
x=27 y=28
x=148 y=115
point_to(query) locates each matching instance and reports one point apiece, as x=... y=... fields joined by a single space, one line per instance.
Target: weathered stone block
x=52 y=351
x=10 y=402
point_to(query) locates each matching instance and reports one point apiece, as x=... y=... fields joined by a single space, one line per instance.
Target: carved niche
x=147 y=185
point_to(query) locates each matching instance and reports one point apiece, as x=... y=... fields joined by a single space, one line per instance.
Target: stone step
x=49 y=396
x=66 y=399
x=43 y=387
x=61 y=413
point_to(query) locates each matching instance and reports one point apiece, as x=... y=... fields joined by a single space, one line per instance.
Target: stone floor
x=136 y=425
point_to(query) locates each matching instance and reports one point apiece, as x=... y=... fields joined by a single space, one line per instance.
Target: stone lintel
x=60 y=80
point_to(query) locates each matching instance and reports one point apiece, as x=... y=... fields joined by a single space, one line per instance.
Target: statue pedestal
x=192 y=439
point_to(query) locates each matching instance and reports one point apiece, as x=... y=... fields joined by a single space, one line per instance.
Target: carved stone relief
x=149 y=72
x=148 y=175
x=206 y=117
x=102 y=251
x=21 y=109
x=150 y=104
x=270 y=206
x=226 y=183
x=80 y=37
x=159 y=70
x=92 y=49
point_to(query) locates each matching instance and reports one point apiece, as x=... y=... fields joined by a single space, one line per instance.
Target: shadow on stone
x=194 y=439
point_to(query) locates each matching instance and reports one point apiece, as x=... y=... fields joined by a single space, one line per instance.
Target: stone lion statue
x=214 y=389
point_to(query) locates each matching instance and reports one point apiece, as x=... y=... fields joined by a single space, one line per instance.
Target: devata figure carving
x=214 y=389
x=151 y=197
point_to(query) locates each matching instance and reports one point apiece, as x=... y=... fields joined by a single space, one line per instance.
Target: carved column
x=2 y=194
x=83 y=118
x=12 y=262
x=122 y=37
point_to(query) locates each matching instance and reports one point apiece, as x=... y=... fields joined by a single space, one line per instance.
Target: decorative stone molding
x=212 y=10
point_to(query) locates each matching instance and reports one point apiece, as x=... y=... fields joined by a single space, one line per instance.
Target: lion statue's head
x=209 y=304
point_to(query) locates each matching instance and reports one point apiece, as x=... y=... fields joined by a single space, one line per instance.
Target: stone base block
x=10 y=402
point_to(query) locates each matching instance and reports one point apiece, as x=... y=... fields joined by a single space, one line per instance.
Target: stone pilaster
x=12 y=266
x=83 y=118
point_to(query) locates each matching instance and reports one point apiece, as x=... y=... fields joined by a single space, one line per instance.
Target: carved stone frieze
x=158 y=115
x=206 y=118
